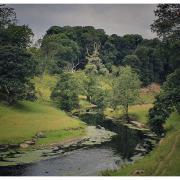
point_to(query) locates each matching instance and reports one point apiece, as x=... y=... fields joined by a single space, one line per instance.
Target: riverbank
x=29 y=121
x=17 y=156
x=164 y=159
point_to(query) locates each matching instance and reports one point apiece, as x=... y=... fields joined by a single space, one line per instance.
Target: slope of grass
x=163 y=160
x=44 y=86
x=23 y=121
x=138 y=111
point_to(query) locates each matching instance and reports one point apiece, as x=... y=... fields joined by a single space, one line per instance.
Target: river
x=123 y=148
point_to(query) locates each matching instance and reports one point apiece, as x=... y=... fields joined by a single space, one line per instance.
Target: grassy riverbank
x=139 y=112
x=163 y=160
x=23 y=121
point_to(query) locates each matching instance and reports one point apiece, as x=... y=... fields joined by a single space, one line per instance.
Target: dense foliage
x=16 y=64
x=71 y=48
x=167 y=26
x=126 y=88
x=65 y=94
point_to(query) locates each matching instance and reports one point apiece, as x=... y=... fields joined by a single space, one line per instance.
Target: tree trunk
x=88 y=98
x=126 y=113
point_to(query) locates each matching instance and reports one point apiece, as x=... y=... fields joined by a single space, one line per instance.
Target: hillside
x=23 y=121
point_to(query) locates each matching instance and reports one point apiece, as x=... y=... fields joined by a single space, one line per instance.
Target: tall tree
x=16 y=64
x=167 y=26
x=167 y=22
x=125 y=89
x=7 y=16
x=16 y=70
x=65 y=94
x=95 y=65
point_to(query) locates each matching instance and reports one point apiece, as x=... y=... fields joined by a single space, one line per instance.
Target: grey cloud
x=114 y=19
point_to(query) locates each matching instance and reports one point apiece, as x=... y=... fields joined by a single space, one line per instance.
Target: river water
x=87 y=161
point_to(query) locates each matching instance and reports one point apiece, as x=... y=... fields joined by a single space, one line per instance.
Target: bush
x=65 y=94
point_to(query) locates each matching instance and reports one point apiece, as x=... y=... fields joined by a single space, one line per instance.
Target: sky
x=114 y=19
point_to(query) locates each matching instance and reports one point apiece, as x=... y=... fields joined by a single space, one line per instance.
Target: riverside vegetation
x=45 y=86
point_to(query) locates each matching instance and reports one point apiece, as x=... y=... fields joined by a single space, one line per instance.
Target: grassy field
x=23 y=121
x=139 y=112
x=163 y=160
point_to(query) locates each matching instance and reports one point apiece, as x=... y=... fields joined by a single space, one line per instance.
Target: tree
x=167 y=26
x=99 y=98
x=7 y=16
x=17 y=36
x=16 y=70
x=11 y=33
x=125 y=89
x=167 y=22
x=166 y=101
x=16 y=64
x=60 y=53
x=132 y=61
x=38 y=58
x=95 y=65
x=65 y=94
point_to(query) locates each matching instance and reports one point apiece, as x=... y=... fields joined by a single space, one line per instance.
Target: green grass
x=44 y=87
x=163 y=160
x=138 y=111
x=60 y=135
x=147 y=98
x=23 y=121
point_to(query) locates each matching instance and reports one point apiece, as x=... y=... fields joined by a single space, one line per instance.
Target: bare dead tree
x=96 y=49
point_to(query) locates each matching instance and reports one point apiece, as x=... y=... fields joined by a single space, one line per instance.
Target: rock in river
x=40 y=135
x=23 y=145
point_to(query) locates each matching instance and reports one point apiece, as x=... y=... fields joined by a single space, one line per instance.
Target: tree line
x=65 y=48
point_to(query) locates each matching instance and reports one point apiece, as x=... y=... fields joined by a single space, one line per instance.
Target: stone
x=98 y=127
x=23 y=145
x=40 y=135
x=30 y=142
x=138 y=172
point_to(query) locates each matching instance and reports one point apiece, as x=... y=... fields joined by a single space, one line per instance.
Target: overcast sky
x=114 y=19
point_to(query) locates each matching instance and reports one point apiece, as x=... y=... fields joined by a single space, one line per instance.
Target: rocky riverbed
x=13 y=156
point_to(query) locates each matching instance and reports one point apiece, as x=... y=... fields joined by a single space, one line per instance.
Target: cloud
x=114 y=19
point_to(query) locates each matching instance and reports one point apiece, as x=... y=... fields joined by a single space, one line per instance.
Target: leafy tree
x=133 y=61
x=109 y=53
x=167 y=22
x=65 y=94
x=38 y=58
x=95 y=93
x=16 y=64
x=83 y=36
x=11 y=33
x=17 y=36
x=166 y=101
x=125 y=89
x=16 y=70
x=7 y=16
x=90 y=87
x=167 y=26
x=60 y=53
x=99 y=98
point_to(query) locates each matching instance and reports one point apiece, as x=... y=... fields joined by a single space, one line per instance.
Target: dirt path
x=167 y=157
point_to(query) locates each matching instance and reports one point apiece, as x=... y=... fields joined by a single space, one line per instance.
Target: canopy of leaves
x=65 y=94
x=167 y=24
x=16 y=69
x=126 y=88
